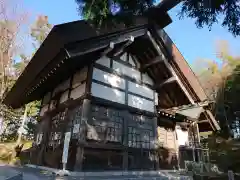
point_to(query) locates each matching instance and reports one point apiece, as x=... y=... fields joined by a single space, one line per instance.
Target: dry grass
x=6 y=150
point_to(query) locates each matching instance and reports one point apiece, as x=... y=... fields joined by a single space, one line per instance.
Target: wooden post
x=45 y=138
x=82 y=133
x=86 y=106
x=79 y=159
x=125 y=160
x=125 y=142
x=155 y=147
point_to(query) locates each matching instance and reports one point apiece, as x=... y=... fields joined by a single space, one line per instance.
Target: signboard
x=21 y=130
x=39 y=138
x=76 y=128
x=1 y=125
x=66 y=147
x=230 y=175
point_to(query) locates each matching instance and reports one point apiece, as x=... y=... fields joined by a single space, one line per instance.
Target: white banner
x=66 y=147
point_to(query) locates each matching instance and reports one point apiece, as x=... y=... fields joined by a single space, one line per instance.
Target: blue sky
x=193 y=43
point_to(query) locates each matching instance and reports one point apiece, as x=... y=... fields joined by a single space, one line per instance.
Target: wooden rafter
x=170 y=68
x=121 y=49
x=167 y=81
x=157 y=60
x=109 y=48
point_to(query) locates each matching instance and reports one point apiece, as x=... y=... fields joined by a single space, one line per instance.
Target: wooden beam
x=135 y=60
x=157 y=60
x=167 y=81
x=109 y=48
x=121 y=49
x=171 y=68
x=213 y=120
x=203 y=121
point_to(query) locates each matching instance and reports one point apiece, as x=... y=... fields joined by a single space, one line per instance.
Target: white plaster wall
x=105 y=61
x=61 y=87
x=79 y=77
x=78 y=91
x=182 y=136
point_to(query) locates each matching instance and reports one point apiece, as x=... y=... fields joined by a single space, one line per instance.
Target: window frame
x=126 y=90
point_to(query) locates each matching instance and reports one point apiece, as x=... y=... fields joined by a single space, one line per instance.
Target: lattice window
x=140 y=133
x=146 y=139
x=58 y=126
x=107 y=124
x=115 y=132
x=75 y=124
x=134 y=137
x=55 y=138
x=57 y=119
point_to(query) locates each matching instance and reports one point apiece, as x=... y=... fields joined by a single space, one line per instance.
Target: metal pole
x=22 y=126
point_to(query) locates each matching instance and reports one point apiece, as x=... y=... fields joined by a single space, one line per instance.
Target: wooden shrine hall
x=112 y=93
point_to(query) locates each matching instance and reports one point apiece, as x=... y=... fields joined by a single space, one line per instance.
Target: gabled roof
x=73 y=44
x=59 y=37
x=182 y=65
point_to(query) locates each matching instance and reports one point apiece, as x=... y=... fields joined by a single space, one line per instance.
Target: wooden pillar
x=125 y=140
x=79 y=158
x=155 y=134
x=177 y=148
x=45 y=139
x=125 y=160
x=85 y=118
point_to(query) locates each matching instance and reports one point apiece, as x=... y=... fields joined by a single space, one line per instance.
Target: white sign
x=230 y=175
x=66 y=147
x=21 y=130
x=76 y=128
x=39 y=138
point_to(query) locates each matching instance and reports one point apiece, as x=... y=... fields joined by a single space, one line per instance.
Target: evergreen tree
x=205 y=12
